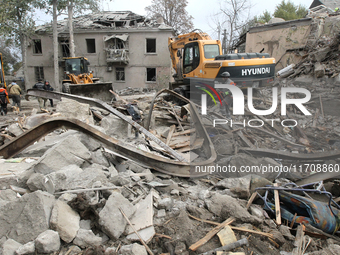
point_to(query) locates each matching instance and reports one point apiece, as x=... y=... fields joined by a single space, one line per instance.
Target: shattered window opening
x=39 y=73
x=151 y=74
x=37 y=49
x=65 y=47
x=120 y=74
x=150 y=45
x=91 y=45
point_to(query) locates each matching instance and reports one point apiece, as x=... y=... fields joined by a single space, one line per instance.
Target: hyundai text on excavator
x=197 y=58
x=80 y=81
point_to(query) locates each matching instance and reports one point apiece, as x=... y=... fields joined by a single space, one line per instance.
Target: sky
x=202 y=11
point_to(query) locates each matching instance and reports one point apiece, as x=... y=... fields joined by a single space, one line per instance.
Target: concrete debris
x=133 y=249
x=27 y=248
x=24 y=219
x=65 y=221
x=110 y=218
x=86 y=238
x=72 y=109
x=69 y=151
x=47 y=242
x=78 y=186
x=10 y=246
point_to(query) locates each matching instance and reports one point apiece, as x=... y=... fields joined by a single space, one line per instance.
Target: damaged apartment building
x=122 y=47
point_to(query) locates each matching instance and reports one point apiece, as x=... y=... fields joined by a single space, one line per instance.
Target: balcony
x=117 y=56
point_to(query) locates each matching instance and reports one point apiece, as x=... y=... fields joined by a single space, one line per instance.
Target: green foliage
x=264 y=17
x=289 y=11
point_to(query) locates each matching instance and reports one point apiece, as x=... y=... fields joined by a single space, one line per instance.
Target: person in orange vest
x=3 y=100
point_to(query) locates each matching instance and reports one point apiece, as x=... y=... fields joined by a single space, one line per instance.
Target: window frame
x=146 y=46
x=152 y=81
x=87 y=45
x=120 y=71
x=39 y=73
x=34 y=47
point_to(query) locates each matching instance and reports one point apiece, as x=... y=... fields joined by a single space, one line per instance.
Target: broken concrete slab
x=15 y=129
x=239 y=186
x=23 y=220
x=114 y=126
x=319 y=70
x=226 y=206
x=65 y=221
x=10 y=246
x=165 y=203
x=65 y=176
x=36 y=182
x=38 y=149
x=89 y=176
x=146 y=234
x=89 y=142
x=8 y=195
x=27 y=248
x=133 y=249
x=99 y=158
x=69 y=151
x=111 y=219
x=72 y=109
x=11 y=171
x=143 y=216
x=86 y=238
x=47 y=242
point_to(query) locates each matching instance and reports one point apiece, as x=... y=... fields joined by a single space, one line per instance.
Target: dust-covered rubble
x=77 y=197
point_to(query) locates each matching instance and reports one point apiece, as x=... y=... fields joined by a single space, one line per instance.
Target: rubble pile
x=69 y=194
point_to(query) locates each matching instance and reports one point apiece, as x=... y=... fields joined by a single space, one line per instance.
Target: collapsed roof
x=106 y=20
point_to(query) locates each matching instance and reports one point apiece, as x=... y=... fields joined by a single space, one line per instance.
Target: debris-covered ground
x=68 y=194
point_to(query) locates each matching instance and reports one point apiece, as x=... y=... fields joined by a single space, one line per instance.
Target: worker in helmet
x=225 y=94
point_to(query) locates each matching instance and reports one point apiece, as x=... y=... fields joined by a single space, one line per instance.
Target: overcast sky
x=201 y=10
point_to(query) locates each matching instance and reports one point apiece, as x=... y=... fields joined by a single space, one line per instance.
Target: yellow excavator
x=196 y=58
x=80 y=81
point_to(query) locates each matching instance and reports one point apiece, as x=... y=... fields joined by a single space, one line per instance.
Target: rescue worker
x=3 y=100
x=225 y=94
x=41 y=86
x=15 y=93
x=49 y=88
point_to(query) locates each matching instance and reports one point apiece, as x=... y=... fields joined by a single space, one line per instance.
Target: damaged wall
x=139 y=65
x=276 y=38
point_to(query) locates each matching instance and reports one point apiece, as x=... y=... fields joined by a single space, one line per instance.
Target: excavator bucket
x=100 y=90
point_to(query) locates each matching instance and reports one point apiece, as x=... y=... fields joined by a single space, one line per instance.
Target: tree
x=17 y=21
x=289 y=11
x=236 y=15
x=58 y=7
x=264 y=17
x=173 y=13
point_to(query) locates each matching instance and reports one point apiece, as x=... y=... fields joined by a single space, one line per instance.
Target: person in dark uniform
x=41 y=86
x=226 y=96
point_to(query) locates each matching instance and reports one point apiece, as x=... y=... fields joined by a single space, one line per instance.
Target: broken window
x=39 y=73
x=150 y=45
x=151 y=74
x=120 y=74
x=91 y=45
x=65 y=48
x=37 y=49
